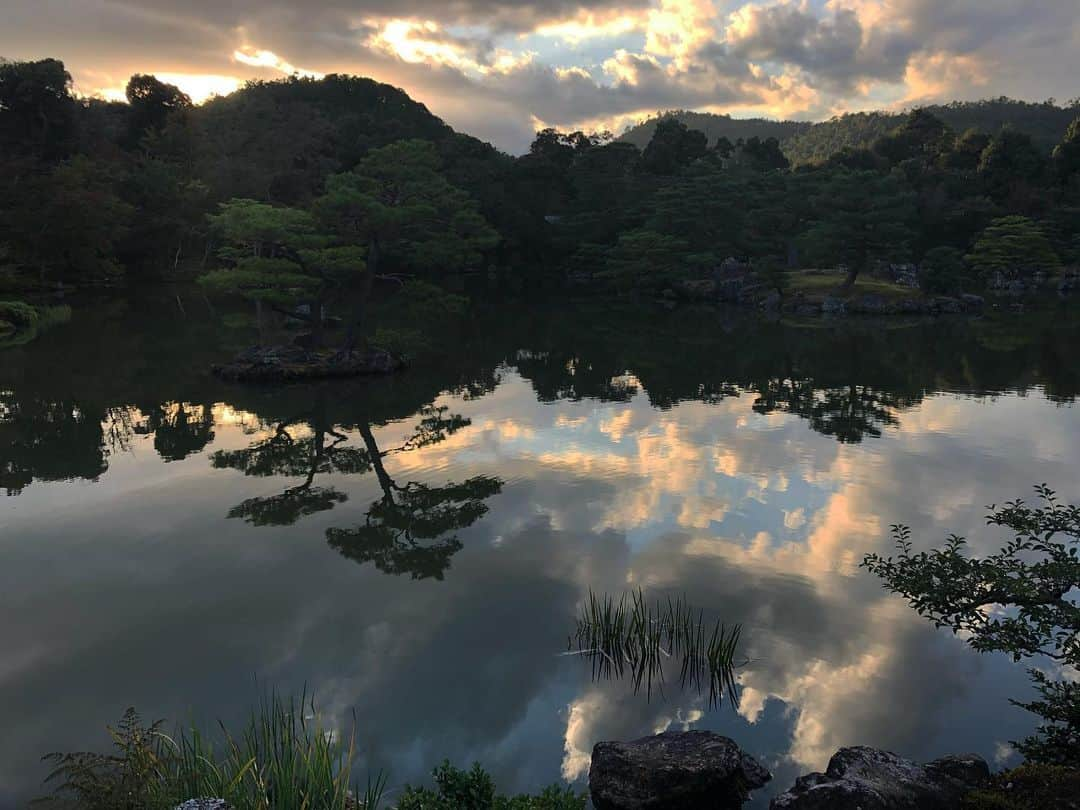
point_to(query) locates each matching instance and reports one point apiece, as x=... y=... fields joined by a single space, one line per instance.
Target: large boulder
x=862 y=778
x=676 y=770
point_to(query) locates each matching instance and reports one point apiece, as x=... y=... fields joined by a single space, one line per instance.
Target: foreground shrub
x=1029 y=787
x=1020 y=601
x=456 y=789
x=20 y=314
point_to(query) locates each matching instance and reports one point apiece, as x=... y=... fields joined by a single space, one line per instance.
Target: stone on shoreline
x=673 y=771
x=204 y=804
x=287 y=363
x=862 y=778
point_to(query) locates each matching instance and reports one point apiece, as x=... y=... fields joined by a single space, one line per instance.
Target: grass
x=829 y=284
x=283 y=759
x=633 y=638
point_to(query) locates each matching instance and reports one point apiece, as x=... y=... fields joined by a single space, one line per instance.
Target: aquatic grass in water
x=633 y=638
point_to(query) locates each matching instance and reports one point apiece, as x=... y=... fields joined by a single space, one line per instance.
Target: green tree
x=281 y=259
x=37 y=112
x=1013 y=247
x=68 y=222
x=860 y=217
x=762 y=155
x=644 y=259
x=942 y=270
x=922 y=136
x=1020 y=601
x=1067 y=153
x=398 y=204
x=1013 y=169
x=152 y=102
x=672 y=147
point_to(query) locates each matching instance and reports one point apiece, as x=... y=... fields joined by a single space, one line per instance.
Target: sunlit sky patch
x=497 y=67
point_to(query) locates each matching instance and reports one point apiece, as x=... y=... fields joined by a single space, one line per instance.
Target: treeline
x=970 y=207
x=715 y=126
x=805 y=142
x=298 y=181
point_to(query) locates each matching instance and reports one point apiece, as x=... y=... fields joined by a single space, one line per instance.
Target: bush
x=1020 y=601
x=1029 y=787
x=456 y=789
x=942 y=270
x=16 y=312
x=1013 y=246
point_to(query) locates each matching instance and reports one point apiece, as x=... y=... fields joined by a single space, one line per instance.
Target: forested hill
x=718 y=126
x=813 y=143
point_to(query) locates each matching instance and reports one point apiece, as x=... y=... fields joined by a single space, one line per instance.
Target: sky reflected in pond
x=418 y=548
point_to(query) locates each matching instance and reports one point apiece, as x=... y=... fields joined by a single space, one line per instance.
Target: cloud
x=496 y=67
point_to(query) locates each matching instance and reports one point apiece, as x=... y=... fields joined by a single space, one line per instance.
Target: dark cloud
x=830 y=49
x=812 y=60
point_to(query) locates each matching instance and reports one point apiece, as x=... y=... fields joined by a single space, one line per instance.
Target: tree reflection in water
x=398 y=525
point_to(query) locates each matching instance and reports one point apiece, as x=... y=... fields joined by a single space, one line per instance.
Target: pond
x=416 y=549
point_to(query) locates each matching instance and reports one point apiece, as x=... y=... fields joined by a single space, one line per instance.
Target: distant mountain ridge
x=805 y=142
x=716 y=126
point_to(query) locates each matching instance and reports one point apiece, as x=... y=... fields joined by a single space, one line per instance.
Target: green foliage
x=135 y=776
x=672 y=147
x=1067 y=153
x=1029 y=787
x=398 y=199
x=251 y=228
x=644 y=259
x=1014 y=246
x=716 y=127
x=283 y=759
x=859 y=217
x=1015 y=601
x=67 y=222
x=151 y=102
x=18 y=313
x=456 y=789
x=276 y=281
x=38 y=112
x=942 y=270
x=1043 y=121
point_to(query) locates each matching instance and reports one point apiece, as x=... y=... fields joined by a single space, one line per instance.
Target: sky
x=501 y=69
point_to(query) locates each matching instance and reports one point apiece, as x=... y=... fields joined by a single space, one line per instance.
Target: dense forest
x=287 y=191
x=805 y=142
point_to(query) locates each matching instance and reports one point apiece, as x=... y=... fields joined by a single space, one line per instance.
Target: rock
x=284 y=363
x=862 y=778
x=873 y=305
x=945 y=305
x=906 y=275
x=1070 y=282
x=676 y=770
x=731 y=265
x=771 y=302
x=833 y=306
x=972 y=302
x=204 y=804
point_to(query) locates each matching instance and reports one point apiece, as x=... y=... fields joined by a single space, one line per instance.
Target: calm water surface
x=416 y=548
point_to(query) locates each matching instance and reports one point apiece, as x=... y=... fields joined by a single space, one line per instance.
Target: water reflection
x=597 y=449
